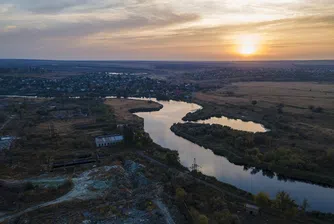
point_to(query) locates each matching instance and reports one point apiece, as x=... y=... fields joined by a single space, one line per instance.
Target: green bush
x=262 y=199
x=180 y=194
x=203 y=219
x=28 y=186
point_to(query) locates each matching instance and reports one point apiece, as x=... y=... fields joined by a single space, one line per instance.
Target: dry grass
x=294 y=95
x=64 y=127
x=122 y=106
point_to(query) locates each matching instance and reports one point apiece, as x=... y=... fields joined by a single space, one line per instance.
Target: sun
x=247 y=44
x=247 y=49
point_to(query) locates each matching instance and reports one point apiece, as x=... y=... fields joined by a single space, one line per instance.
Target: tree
x=280 y=110
x=203 y=219
x=330 y=155
x=235 y=219
x=223 y=216
x=262 y=199
x=318 y=110
x=128 y=135
x=180 y=194
x=305 y=205
x=291 y=212
x=284 y=202
x=2 y=117
x=118 y=94
x=172 y=158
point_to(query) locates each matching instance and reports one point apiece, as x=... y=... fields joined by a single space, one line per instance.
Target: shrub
x=285 y=203
x=262 y=199
x=235 y=219
x=68 y=183
x=28 y=186
x=203 y=219
x=180 y=194
x=318 y=110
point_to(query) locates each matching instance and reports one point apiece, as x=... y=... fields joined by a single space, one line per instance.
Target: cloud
x=61 y=6
x=159 y=19
x=9 y=28
x=178 y=28
x=54 y=7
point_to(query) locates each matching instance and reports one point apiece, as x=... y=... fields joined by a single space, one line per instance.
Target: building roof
x=108 y=139
x=108 y=136
x=5 y=142
x=252 y=207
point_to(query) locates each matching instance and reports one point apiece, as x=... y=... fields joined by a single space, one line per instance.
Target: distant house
x=6 y=142
x=252 y=209
x=106 y=140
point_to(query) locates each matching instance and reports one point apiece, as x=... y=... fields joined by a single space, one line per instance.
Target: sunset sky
x=167 y=29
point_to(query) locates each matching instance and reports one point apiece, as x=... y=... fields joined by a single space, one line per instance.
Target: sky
x=210 y=30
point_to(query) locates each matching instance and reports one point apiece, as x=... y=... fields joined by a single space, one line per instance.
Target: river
x=158 y=124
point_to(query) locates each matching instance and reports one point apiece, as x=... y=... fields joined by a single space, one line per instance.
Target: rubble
x=120 y=194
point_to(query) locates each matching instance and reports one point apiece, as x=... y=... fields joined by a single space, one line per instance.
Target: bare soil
x=122 y=108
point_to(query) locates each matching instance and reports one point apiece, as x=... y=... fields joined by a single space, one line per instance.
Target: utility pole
x=54 y=134
x=194 y=166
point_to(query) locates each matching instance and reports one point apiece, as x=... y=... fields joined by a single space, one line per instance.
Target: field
x=124 y=107
x=307 y=105
x=294 y=95
x=300 y=117
x=59 y=131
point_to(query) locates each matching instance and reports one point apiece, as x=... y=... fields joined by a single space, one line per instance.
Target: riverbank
x=233 y=196
x=242 y=148
x=124 y=109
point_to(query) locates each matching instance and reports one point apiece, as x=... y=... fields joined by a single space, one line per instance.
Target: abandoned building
x=6 y=142
x=106 y=140
x=252 y=209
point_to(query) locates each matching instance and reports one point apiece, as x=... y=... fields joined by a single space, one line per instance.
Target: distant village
x=96 y=84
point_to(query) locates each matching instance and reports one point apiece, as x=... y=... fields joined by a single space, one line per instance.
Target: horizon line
x=185 y=61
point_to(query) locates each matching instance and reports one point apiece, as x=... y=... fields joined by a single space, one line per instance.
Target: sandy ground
x=122 y=107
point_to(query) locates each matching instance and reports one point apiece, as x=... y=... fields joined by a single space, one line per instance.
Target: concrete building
x=106 y=140
x=6 y=142
x=252 y=209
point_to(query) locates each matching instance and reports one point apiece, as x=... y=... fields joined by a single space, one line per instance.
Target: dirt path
x=7 y=122
x=70 y=195
x=164 y=210
x=80 y=191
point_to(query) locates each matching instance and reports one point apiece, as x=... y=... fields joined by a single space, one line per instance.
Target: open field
x=299 y=115
x=314 y=102
x=297 y=95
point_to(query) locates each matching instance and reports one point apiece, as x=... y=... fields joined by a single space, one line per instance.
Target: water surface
x=158 y=124
x=235 y=124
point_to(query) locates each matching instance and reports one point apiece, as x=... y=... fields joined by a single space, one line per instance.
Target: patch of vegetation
x=260 y=150
x=316 y=109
